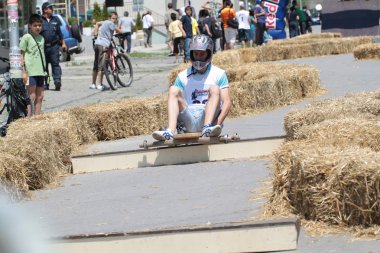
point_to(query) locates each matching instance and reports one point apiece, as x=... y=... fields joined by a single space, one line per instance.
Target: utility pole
x=14 y=49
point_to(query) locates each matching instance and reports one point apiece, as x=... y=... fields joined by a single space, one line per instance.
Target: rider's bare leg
x=176 y=104
x=212 y=104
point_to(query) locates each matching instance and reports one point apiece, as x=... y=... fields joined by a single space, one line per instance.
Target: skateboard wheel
x=145 y=144
x=225 y=137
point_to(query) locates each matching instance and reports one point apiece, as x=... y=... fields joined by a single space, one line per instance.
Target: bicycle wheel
x=124 y=70
x=110 y=76
x=4 y=113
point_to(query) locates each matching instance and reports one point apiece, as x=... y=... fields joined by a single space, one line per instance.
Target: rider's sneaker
x=211 y=131
x=166 y=134
x=92 y=86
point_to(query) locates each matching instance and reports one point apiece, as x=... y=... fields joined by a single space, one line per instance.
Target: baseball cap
x=46 y=5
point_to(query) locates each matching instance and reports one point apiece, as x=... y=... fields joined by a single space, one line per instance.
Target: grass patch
x=147 y=55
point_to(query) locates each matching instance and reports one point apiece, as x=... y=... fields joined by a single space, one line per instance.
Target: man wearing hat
x=53 y=36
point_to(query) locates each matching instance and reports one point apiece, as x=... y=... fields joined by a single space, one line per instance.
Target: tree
x=139 y=23
x=105 y=12
x=97 y=13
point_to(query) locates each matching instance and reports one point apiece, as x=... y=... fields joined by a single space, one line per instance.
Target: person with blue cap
x=51 y=31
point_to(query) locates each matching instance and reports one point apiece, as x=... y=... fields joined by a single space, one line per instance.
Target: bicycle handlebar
x=4 y=59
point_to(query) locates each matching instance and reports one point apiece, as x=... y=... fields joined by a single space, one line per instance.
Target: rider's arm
x=226 y=105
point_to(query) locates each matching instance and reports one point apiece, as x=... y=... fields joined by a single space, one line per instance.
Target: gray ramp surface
x=151 y=198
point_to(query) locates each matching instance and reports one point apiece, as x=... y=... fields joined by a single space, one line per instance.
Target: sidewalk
x=88 y=55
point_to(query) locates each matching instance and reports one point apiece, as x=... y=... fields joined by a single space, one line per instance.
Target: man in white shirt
x=125 y=25
x=244 y=26
x=147 y=28
x=199 y=99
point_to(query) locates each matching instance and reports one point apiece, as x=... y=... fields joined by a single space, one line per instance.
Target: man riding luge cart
x=198 y=101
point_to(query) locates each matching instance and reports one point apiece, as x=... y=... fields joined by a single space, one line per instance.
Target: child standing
x=33 y=57
x=175 y=35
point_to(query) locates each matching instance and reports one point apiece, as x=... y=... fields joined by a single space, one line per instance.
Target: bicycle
x=14 y=99
x=117 y=66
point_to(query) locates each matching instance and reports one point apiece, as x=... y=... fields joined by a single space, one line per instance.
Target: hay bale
x=227 y=58
x=124 y=118
x=84 y=125
x=260 y=90
x=291 y=49
x=12 y=176
x=363 y=105
x=343 y=132
x=367 y=51
x=318 y=36
x=44 y=143
x=328 y=183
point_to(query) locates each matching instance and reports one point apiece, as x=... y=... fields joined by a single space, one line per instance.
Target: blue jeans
x=127 y=37
x=52 y=57
x=187 y=48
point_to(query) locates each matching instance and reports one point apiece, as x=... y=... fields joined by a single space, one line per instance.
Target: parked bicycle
x=117 y=66
x=14 y=99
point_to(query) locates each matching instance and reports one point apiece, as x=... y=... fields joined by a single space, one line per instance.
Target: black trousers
x=260 y=28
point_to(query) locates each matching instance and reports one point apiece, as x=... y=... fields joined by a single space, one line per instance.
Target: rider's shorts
x=193 y=118
x=99 y=55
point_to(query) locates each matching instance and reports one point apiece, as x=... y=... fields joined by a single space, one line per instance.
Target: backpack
x=201 y=26
x=215 y=28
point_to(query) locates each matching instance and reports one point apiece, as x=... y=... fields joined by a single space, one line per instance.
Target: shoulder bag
x=42 y=61
x=232 y=22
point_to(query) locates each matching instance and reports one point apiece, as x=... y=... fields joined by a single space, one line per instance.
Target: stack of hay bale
x=368 y=50
x=329 y=170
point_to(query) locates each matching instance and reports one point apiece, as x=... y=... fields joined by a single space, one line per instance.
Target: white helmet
x=204 y=43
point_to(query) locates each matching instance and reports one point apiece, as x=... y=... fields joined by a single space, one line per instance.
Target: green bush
x=105 y=12
x=97 y=13
x=72 y=20
x=139 y=24
x=87 y=23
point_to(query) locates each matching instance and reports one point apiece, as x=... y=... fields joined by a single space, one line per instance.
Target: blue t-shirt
x=262 y=18
x=186 y=24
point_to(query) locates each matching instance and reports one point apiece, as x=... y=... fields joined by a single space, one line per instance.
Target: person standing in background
x=51 y=31
x=226 y=14
x=125 y=25
x=261 y=16
x=148 y=22
x=33 y=57
x=195 y=27
x=168 y=20
x=187 y=31
x=253 y=20
x=244 y=26
x=175 y=35
x=292 y=19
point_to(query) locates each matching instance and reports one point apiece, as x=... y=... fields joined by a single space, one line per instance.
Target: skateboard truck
x=190 y=139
